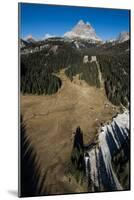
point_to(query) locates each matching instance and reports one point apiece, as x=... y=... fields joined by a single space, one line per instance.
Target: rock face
x=30 y=39
x=85 y=59
x=23 y=43
x=83 y=31
x=112 y=148
x=123 y=36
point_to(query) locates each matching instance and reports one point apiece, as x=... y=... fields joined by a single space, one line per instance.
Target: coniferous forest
x=38 y=69
x=115 y=71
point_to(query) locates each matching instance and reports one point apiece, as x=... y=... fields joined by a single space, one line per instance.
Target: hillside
x=39 y=63
x=65 y=84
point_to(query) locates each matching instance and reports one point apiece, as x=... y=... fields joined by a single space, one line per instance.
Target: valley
x=74 y=101
x=50 y=123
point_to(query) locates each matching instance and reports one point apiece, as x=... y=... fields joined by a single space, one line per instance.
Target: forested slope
x=39 y=67
x=115 y=71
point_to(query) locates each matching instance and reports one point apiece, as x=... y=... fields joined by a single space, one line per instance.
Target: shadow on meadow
x=30 y=177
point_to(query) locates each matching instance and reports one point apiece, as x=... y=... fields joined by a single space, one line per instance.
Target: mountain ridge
x=83 y=31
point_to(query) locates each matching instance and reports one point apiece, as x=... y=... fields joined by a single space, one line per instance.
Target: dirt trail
x=51 y=120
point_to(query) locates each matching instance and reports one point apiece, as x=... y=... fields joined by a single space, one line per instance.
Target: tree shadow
x=31 y=181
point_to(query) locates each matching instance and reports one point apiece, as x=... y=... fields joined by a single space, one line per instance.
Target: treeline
x=37 y=69
x=118 y=48
x=37 y=83
x=116 y=71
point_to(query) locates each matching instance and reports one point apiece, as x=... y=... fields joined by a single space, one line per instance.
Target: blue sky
x=40 y=19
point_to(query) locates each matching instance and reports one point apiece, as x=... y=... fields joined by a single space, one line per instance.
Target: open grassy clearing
x=51 y=120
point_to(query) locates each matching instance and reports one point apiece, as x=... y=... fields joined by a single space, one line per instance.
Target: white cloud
x=47 y=35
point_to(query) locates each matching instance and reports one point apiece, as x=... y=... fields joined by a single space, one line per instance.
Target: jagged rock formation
x=23 y=43
x=83 y=31
x=123 y=36
x=30 y=39
x=112 y=148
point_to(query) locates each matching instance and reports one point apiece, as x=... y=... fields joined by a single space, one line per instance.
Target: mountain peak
x=123 y=36
x=83 y=31
x=81 y=22
x=30 y=39
x=87 y=23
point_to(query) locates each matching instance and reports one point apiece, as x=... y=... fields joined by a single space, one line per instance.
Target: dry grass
x=51 y=120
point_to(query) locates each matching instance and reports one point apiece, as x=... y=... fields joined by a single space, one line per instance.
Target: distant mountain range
x=30 y=39
x=81 y=31
x=27 y=41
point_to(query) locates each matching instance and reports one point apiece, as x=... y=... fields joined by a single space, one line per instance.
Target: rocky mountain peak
x=30 y=39
x=123 y=36
x=81 y=22
x=83 y=31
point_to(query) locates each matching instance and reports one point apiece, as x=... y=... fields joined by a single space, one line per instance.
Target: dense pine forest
x=115 y=71
x=39 y=67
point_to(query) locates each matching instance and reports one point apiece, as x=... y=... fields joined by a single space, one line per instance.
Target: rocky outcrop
x=107 y=160
x=83 y=31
